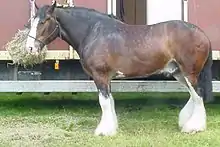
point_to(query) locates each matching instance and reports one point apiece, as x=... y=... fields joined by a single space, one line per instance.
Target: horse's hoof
x=192 y=131
x=193 y=127
x=197 y=121
x=103 y=130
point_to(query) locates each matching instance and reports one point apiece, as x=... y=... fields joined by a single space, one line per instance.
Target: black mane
x=90 y=10
x=86 y=11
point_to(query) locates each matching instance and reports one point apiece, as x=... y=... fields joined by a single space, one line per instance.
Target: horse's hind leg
x=192 y=117
x=173 y=69
x=197 y=121
x=108 y=124
x=187 y=110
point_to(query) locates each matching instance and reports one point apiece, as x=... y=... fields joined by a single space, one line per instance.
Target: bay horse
x=109 y=48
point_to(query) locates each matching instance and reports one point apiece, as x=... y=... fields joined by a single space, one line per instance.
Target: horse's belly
x=136 y=68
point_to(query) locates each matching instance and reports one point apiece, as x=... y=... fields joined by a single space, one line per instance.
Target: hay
x=18 y=53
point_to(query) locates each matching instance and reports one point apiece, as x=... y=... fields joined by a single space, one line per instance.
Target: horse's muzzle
x=33 y=50
x=34 y=47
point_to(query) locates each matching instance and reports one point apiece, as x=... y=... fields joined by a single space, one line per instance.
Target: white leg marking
x=108 y=124
x=197 y=121
x=186 y=112
x=33 y=32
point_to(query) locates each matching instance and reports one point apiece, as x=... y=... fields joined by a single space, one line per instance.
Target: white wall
x=159 y=10
x=163 y=10
x=111 y=7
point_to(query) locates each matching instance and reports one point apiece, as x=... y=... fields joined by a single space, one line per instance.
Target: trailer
x=62 y=71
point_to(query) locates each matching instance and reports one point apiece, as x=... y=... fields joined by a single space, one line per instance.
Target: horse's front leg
x=108 y=124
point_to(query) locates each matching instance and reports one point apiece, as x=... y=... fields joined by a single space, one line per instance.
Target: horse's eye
x=44 y=20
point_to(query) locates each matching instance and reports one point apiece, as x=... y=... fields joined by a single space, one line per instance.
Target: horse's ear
x=52 y=7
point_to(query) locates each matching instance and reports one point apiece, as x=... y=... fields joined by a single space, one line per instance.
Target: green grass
x=64 y=120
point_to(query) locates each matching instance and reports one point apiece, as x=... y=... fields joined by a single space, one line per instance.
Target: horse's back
x=173 y=39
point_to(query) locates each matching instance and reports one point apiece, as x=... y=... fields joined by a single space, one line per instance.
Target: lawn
x=64 y=120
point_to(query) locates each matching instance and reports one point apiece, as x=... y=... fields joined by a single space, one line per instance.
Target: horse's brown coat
x=143 y=50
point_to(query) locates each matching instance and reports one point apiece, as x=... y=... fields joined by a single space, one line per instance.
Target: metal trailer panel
x=13 y=15
x=100 y=5
x=204 y=13
x=16 y=19
x=89 y=86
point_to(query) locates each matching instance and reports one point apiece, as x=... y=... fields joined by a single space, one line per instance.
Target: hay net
x=18 y=53
x=16 y=46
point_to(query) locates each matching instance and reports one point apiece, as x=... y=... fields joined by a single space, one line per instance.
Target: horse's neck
x=73 y=29
x=76 y=22
x=74 y=25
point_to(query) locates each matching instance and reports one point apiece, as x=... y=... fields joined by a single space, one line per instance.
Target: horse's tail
x=205 y=79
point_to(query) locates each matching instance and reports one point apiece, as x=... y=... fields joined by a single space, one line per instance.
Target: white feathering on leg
x=197 y=121
x=108 y=124
x=186 y=112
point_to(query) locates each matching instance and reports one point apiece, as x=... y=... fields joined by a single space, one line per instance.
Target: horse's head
x=44 y=29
